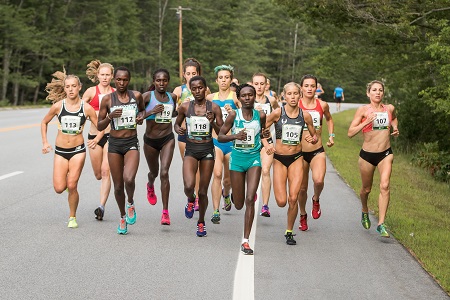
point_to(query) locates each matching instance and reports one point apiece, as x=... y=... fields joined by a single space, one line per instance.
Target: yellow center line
x=23 y=127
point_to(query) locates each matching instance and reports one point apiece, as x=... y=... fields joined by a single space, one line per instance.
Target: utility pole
x=179 y=10
x=295 y=50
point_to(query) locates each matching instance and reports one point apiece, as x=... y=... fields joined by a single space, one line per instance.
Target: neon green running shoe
x=72 y=223
x=365 y=221
x=215 y=219
x=381 y=229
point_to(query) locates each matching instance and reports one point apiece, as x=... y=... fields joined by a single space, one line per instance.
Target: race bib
x=315 y=116
x=291 y=134
x=199 y=126
x=128 y=118
x=70 y=124
x=224 y=113
x=266 y=108
x=249 y=141
x=381 y=122
x=166 y=115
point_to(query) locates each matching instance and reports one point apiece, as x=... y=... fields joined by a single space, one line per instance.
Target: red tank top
x=383 y=120
x=96 y=100
x=316 y=113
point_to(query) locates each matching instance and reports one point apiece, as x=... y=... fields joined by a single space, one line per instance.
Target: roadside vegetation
x=419 y=210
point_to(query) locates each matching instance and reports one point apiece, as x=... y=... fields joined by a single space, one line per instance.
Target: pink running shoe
x=303 y=223
x=196 y=204
x=151 y=196
x=316 y=211
x=165 y=219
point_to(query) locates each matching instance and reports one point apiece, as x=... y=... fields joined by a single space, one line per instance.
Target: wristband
x=109 y=117
x=270 y=141
x=331 y=135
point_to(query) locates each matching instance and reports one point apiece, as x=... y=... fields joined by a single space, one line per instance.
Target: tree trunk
x=6 y=62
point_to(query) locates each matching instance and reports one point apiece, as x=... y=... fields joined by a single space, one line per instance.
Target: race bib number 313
x=249 y=141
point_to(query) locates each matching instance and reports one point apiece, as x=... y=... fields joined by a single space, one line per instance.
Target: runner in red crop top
x=375 y=120
x=102 y=74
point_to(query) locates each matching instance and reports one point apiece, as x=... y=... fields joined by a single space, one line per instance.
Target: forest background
x=406 y=44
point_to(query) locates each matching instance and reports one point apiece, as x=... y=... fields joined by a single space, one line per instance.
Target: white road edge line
x=244 y=276
x=10 y=175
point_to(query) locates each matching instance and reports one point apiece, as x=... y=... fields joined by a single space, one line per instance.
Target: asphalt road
x=40 y=258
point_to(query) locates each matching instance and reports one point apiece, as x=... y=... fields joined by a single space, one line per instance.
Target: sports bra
x=382 y=122
x=166 y=115
x=222 y=103
x=129 y=112
x=289 y=130
x=71 y=122
x=97 y=99
x=316 y=114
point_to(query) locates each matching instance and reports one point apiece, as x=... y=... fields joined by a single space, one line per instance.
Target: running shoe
x=245 y=248
x=365 y=221
x=216 y=217
x=151 y=196
x=99 y=212
x=196 y=207
x=316 y=211
x=381 y=229
x=226 y=202
x=265 y=211
x=290 y=238
x=189 y=210
x=201 y=229
x=131 y=214
x=165 y=219
x=122 y=228
x=303 y=223
x=72 y=223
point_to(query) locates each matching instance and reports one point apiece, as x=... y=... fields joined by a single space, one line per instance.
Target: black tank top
x=71 y=122
x=198 y=127
x=288 y=130
x=129 y=112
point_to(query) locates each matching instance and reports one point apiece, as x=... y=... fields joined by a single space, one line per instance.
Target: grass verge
x=419 y=210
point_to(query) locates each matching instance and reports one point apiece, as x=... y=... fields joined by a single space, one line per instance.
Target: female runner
x=376 y=121
x=227 y=101
x=123 y=110
x=288 y=162
x=201 y=117
x=70 y=151
x=313 y=154
x=159 y=140
x=98 y=141
x=246 y=125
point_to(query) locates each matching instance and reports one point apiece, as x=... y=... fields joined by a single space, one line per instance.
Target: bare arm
x=217 y=116
x=88 y=94
x=330 y=123
x=103 y=117
x=180 y=118
x=312 y=138
x=226 y=127
x=394 y=123
x=356 y=125
x=46 y=147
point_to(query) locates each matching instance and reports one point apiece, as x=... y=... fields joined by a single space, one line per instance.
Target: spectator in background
x=338 y=96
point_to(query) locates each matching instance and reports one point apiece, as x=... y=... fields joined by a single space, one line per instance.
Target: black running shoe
x=99 y=213
x=290 y=239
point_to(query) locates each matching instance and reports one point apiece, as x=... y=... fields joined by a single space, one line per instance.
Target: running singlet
x=71 y=122
x=222 y=104
x=383 y=120
x=265 y=107
x=97 y=100
x=316 y=114
x=129 y=112
x=166 y=115
x=186 y=94
x=288 y=130
x=252 y=144
x=198 y=127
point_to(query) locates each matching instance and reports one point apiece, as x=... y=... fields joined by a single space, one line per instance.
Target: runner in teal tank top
x=246 y=125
